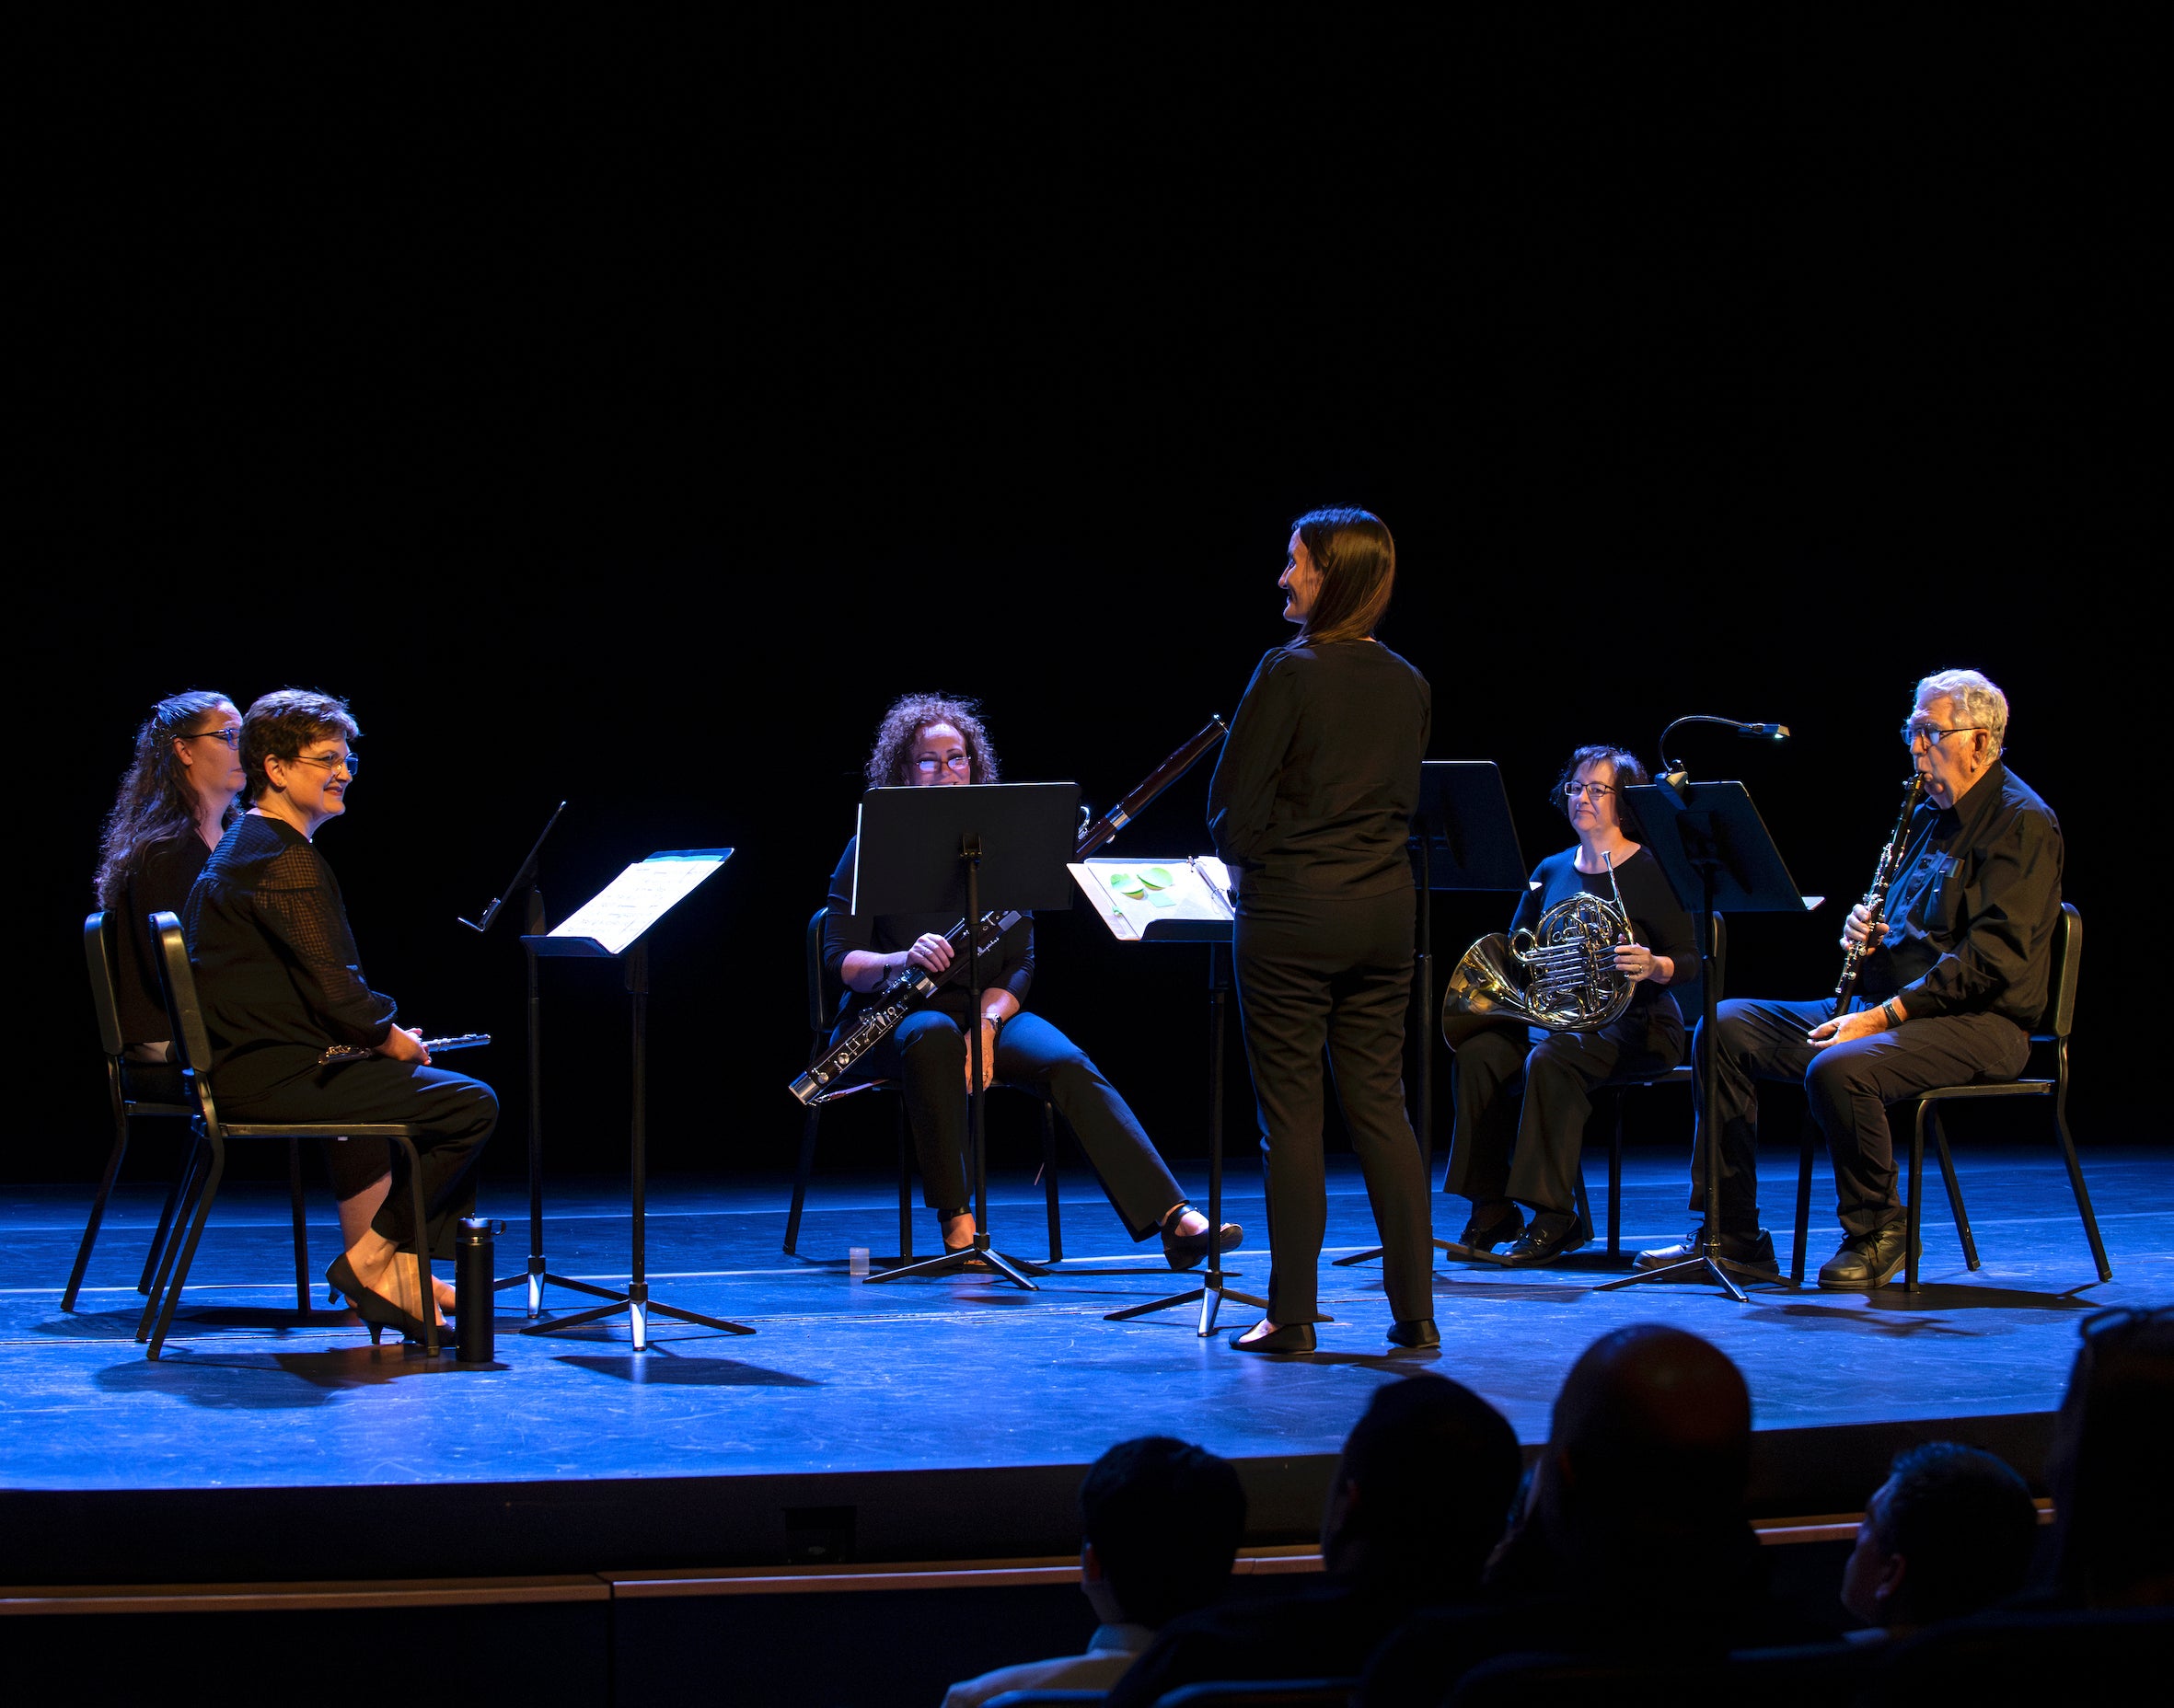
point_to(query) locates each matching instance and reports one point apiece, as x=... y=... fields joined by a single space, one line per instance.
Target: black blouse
x=1658 y=918
x=160 y=883
x=1009 y=967
x=276 y=966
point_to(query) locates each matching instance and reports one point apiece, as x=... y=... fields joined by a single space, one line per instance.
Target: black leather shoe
x=1866 y=1260
x=1181 y=1251
x=1755 y=1253
x=1419 y=1331
x=1492 y=1225
x=1552 y=1235
x=1290 y=1337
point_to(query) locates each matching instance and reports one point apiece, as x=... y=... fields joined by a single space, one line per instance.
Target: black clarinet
x=913 y=987
x=1875 y=902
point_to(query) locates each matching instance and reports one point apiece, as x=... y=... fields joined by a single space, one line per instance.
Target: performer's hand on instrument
x=989 y=1057
x=1857 y=931
x=1633 y=961
x=403 y=1045
x=1865 y=1023
x=931 y=953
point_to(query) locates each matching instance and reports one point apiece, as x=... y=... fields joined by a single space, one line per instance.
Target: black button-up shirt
x=1974 y=906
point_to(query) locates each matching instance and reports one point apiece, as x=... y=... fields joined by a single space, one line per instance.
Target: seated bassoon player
x=929 y=741
x=1556 y=1070
x=295 y=1032
x=1955 y=973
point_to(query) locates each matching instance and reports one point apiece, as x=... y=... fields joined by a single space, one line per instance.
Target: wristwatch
x=1891 y=1014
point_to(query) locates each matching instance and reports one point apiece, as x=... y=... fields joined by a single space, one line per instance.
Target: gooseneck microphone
x=1674 y=772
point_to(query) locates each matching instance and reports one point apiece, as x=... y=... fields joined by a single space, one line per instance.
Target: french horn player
x=1583 y=989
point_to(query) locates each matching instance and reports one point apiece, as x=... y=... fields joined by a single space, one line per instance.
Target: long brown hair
x=154 y=801
x=1357 y=563
x=902 y=725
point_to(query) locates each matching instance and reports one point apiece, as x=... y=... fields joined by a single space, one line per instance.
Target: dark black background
x=625 y=409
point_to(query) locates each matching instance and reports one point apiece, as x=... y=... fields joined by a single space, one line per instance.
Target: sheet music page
x=1131 y=894
x=638 y=898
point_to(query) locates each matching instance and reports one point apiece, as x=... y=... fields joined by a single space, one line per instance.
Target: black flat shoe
x=374 y=1309
x=1550 y=1236
x=1499 y=1225
x=1181 y=1251
x=1419 y=1331
x=1292 y=1337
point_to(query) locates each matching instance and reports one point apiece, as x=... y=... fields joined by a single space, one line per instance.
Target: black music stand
x=1465 y=839
x=971 y=850
x=1188 y=926
x=524 y=884
x=614 y=925
x=1714 y=847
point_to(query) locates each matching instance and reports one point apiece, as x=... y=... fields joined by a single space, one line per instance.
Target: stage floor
x=846 y=1377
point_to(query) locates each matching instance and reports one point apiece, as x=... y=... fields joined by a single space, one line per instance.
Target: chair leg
x=1805 y=1143
x=1049 y=1181
x=1913 y=1248
x=301 y=1225
x=1962 y=1218
x=2075 y=1172
x=905 y=1184
x=180 y=1204
x=803 y=1173
x=207 y=1189
x=1580 y=1202
x=165 y=1228
x=98 y=1210
x=1615 y=1179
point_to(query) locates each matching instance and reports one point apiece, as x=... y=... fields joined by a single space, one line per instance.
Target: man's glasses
x=1599 y=791
x=231 y=737
x=352 y=762
x=958 y=762
x=1932 y=734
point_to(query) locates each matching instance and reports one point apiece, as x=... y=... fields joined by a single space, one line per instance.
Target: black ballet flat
x=1181 y=1251
x=1417 y=1332
x=1290 y=1337
x=374 y=1309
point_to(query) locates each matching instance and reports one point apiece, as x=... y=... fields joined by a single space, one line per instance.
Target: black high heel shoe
x=374 y=1309
x=1417 y=1332
x=1181 y=1251
x=1290 y=1337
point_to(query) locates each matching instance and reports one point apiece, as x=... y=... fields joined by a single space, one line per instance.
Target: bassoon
x=1875 y=902
x=914 y=986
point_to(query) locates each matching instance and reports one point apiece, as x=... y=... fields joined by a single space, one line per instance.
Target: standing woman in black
x=1311 y=807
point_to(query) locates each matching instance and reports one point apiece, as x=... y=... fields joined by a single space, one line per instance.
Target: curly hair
x=154 y=801
x=283 y=723
x=902 y=726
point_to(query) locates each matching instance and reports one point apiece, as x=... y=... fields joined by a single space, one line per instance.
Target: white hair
x=1981 y=704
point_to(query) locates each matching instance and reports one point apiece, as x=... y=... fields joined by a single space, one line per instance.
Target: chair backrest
x=177 y=978
x=2068 y=956
x=101 y=950
x=822 y=1011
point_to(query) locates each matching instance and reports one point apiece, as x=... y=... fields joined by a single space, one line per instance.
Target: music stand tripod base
x=1705 y=1266
x=979 y=1254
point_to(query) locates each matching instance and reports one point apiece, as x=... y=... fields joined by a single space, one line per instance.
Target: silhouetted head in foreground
x=1417 y=1499
x=1161 y=1521
x=2112 y=1467
x=1949 y=1533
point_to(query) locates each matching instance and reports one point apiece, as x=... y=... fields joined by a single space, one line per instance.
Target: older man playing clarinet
x=1954 y=973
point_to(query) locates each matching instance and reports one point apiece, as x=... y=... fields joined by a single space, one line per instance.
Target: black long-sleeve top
x=1318 y=780
x=276 y=967
x=160 y=883
x=1010 y=966
x=1975 y=906
x=1658 y=918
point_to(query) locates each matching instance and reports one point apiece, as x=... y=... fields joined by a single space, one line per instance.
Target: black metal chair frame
x=823 y=1006
x=2051 y=1033
x=207 y=1159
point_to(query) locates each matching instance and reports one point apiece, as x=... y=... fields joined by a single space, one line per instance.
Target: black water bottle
x=473 y=1292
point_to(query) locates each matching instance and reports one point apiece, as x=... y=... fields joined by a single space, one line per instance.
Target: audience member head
x=288 y=741
x=2110 y=1468
x=1949 y=1531
x=183 y=774
x=1418 y=1497
x=1647 y=1454
x=1161 y=1521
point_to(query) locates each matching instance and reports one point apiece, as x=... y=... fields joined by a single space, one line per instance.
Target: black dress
x=1310 y=806
x=160 y=883
x=927 y=1056
x=280 y=982
x=1556 y=1070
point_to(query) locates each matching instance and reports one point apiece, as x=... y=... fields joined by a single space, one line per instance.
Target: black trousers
x=1334 y=977
x=1848 y=1086
x=455 y=1113
x=927 y=1056
x=1504 y=1146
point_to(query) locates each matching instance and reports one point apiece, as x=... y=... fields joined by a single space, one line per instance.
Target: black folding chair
x=822 y=1006
x=2051 y=1034
x=132 y=1088
x=207 y=1159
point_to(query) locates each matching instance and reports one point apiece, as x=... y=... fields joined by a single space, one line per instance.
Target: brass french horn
x=1561 y=977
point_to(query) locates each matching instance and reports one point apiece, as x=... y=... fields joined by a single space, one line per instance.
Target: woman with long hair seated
x=1556 y=1070
x=295 y=1032
x=927 y=740
x=176 y=800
